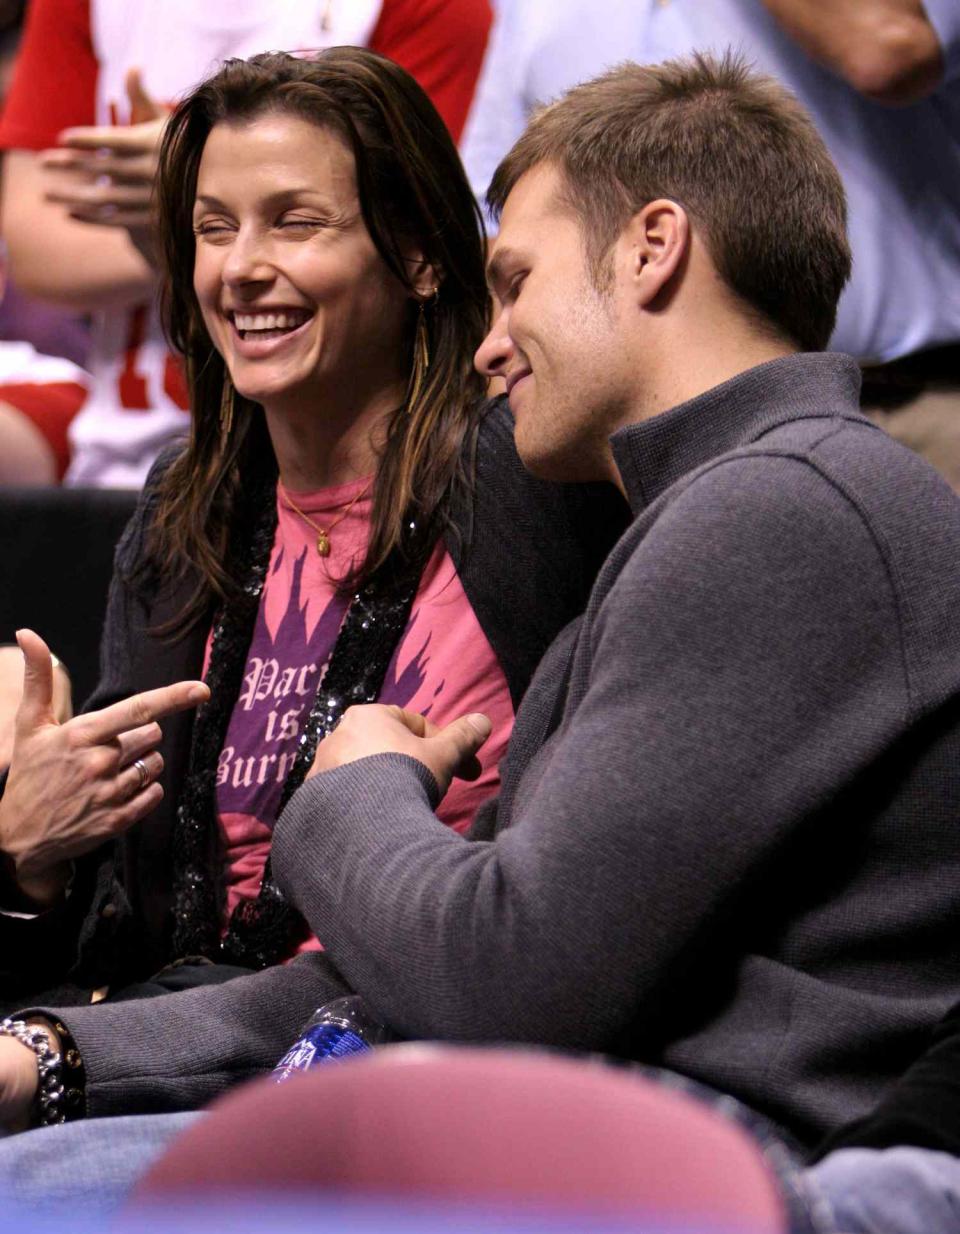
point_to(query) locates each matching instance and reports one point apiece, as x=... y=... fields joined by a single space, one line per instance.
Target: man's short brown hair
x=735 y=149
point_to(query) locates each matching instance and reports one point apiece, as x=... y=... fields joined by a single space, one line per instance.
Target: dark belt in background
x=890 y=385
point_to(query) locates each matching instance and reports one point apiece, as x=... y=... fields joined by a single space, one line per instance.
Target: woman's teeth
x=268 y=325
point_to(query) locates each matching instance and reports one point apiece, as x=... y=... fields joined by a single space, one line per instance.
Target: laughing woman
x=348 y=521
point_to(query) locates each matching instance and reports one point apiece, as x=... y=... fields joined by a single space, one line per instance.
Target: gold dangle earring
x=421 y=350
x=227 y=397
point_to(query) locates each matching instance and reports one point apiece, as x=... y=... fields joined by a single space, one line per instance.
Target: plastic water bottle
x=338 y=1028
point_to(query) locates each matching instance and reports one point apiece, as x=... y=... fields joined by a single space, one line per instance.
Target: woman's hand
x=74 y=785
x=19 y=1078
x=378 y=729
x=104 y=174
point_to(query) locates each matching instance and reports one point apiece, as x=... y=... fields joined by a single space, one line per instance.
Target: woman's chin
x=268 y=394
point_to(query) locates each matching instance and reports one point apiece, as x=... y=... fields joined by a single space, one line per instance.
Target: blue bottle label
x=320 y=1043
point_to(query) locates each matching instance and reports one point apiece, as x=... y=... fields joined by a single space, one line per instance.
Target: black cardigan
x=526 y=552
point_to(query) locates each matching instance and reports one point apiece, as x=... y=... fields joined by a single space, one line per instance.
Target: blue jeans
x=88 y=1167
x=891 y=1191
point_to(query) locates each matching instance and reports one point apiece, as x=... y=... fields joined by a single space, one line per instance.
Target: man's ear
x=656 y=240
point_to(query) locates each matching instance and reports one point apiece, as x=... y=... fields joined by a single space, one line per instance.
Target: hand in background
x=887 y=50
x=378 y=729
x=74 y=785
x=104 y=174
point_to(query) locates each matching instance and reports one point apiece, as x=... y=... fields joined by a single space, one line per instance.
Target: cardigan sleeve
x=90 y=936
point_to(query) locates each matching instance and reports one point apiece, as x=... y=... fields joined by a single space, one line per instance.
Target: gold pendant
x=323 y=544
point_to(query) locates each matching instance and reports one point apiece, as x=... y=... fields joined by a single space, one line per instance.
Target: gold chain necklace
x=323 y=533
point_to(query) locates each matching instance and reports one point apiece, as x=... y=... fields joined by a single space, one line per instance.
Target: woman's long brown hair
x=413 y=194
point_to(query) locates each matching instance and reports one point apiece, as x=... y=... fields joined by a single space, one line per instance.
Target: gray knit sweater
x=727 y=840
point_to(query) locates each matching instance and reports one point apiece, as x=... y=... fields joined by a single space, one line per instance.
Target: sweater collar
x=653 y=454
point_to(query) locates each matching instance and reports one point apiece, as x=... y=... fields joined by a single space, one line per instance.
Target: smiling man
x=726 y=841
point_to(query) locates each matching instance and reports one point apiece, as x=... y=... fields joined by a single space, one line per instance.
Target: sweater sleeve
x=726 y=680
x=179 y=1051
x=921 y=1109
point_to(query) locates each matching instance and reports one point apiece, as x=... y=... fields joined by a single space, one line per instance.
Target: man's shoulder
x=785 y=464
x=844 y=452
x=882 y=481
x=834 y=479
x=823 y=515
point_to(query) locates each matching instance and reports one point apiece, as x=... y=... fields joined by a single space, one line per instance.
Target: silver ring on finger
x=141 y=767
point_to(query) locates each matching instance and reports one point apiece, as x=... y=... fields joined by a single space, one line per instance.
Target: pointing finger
x=36 y=705
x=141 y=709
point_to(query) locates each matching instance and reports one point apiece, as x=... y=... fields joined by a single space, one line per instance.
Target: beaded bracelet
x=49 y=1088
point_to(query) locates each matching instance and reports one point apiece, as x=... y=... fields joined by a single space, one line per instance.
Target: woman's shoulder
x=501 y=480
x=132 y=544
x=162 y=464
x=495 y=427
x=497 y=467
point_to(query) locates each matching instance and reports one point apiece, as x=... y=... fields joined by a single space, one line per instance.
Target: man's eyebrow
x=496 y=268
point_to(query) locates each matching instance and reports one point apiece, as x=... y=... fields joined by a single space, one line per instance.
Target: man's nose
x=496 y=349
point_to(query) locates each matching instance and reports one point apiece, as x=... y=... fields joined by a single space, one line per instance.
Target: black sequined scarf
x=264 y=930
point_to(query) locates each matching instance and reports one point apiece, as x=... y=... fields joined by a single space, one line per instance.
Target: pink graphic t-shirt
x=443 y=666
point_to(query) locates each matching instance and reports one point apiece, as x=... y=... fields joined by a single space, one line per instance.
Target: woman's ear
x=425 y=277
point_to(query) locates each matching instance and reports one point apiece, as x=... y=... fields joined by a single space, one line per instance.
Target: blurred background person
x=40 y=392
x=51 y=330
x=77 y=205
x=39 y=397
x=880 y=79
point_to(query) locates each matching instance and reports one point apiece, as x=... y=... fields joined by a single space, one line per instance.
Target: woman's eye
x=212 y=229
x=300 y=224
x=513 y=289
